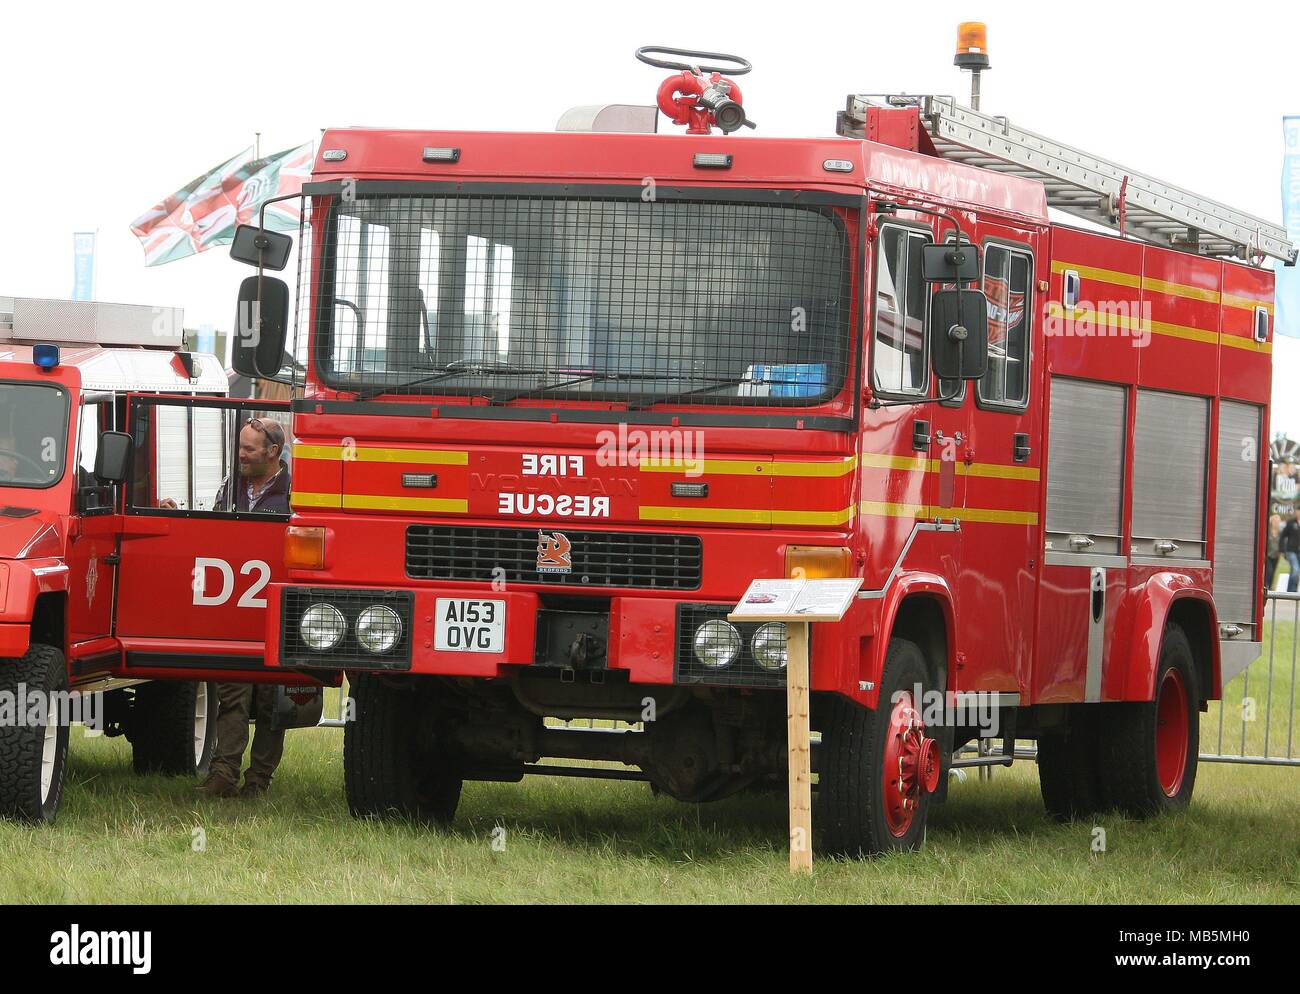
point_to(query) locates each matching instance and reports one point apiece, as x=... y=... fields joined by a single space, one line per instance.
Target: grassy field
x=122 y=838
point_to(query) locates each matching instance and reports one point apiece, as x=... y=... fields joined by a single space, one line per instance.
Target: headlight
x=717 y=644
x=322 y=627
x=768 y=646
x=379 y=629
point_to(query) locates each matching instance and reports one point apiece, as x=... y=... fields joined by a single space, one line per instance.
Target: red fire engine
x=119 y=579
x=567 y=394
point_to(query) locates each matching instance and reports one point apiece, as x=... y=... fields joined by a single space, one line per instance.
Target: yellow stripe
x=750 y=467
x=1110 y=321
x=1093 y=273
x=1246 y=303
x=718 y=467
x=973 y=514
x=1180 y=290
x=727 y=515
x=1161 y=286
x=919 y=463
x=840 y=467
x=878 y=460
x=814 y=517
x=423 y=457
x=1249 y=344
x=300 y=499
x=376 y=502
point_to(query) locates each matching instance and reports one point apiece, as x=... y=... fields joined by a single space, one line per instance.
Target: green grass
x=121 y=838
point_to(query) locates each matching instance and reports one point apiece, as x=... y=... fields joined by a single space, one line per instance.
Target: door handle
x=921 y=436
x=1020 y=447
x=1081 y=542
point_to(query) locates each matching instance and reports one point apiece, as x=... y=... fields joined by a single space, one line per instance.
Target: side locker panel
x=1084 y=566
x=1170 y=460
x=1236 y=525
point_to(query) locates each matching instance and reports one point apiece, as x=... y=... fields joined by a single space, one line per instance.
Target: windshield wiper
x=458 y=367
x=673 y=398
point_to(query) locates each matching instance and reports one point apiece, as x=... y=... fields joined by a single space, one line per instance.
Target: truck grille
x=599 y=559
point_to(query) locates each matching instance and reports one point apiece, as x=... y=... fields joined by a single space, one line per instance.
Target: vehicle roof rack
x=1080 y=183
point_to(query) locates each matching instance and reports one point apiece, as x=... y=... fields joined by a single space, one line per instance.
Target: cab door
x=194 y=572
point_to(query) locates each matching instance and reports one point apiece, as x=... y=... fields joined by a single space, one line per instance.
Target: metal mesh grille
x=349 y=604
x=744 y=670
x=518 y=297
x=600 y=559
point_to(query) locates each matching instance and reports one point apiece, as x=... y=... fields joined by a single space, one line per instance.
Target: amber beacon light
x=973 y=55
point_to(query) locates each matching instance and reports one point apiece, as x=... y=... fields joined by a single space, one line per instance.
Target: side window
x=902 y=299
x=209 y=457
x=1008 y=285
x=91 y=496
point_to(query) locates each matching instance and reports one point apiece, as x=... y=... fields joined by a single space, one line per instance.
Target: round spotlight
x=768 y=646
x=717 y=644
x=322 y=627
x=379 y=629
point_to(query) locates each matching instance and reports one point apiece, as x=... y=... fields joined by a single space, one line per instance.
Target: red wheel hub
x=911 y=765
x=1171 y=732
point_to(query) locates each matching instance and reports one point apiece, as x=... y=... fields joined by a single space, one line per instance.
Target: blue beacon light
x=46 y=357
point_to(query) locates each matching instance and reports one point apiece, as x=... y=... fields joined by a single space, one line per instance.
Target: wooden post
x=798 y=732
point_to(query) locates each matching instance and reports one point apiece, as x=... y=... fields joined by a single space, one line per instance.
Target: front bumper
x=648 y=638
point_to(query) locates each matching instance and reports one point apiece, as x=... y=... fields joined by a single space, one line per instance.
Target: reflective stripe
x=981 y=515
x=1117 y=278
x=425 y=457
x=728 y=515
x=919 y=463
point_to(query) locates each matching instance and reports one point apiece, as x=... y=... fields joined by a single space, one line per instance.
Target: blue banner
x=1287 y=314
x=83 y=265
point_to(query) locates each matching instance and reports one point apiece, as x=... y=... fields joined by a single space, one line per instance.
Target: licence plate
x=462 y=624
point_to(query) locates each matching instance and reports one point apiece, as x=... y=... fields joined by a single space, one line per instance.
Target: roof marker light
x=334 y=154
x=441 y=155
x=45 y=356
x=838 y=166
x=712 y=160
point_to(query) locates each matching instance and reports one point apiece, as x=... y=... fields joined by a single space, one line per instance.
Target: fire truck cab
x=124 y=592
x=567 y=394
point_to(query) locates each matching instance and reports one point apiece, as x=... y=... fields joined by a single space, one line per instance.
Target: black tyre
x=389 y=766
x=1149 y=749
x=33 y=758
x=859 y=784
x=1069 y=773
x=173 y=727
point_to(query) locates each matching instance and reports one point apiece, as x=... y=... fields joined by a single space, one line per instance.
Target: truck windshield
x=630 y=298
x=33 y=434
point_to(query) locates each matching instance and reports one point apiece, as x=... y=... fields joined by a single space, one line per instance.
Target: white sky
x=110 y=107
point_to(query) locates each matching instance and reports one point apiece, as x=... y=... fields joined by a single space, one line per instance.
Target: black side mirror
x=256 y=247
x=959 y=334
x=112 y=456
x=260 y=327
x=950 y=262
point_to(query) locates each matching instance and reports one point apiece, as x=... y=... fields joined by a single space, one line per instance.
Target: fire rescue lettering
x=553 y=505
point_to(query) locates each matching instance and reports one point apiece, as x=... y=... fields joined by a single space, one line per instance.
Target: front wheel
x=1150 y=748
x=173 y=727
x=390 y=762
x=878 y=769
x=34 y=745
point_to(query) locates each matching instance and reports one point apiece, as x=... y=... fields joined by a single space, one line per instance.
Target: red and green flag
x=207 y=210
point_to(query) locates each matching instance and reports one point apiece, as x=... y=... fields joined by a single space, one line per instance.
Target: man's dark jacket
x=274 y=501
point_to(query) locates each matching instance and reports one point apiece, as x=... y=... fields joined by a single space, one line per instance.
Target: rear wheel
x=1069 y=773
x=390 y=764
x=33 y=755
x=1149 y=749
x=877 y=769
x=173 y=727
